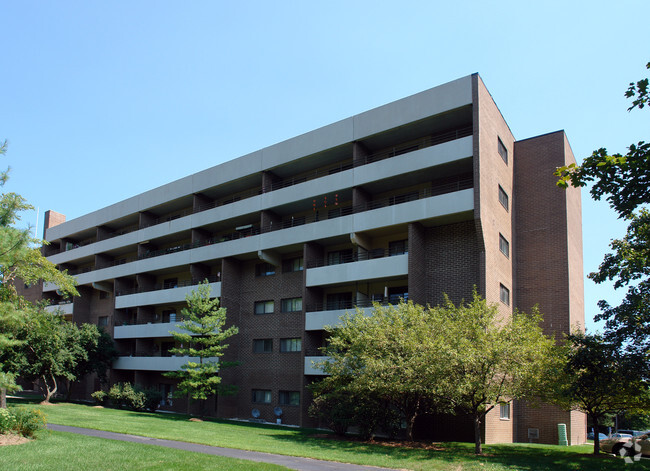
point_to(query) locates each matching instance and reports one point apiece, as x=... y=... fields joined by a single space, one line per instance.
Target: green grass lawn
x=315 y=444
x=68 y=451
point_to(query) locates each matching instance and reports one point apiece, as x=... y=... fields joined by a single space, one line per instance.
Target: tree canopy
x=21 y=261
x=465 y=358
x=597 y=378
x=624 y=180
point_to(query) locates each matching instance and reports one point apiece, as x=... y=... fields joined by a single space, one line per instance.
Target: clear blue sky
x=105 y=100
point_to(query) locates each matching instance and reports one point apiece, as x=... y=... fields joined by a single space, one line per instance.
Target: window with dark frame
x=102 y=321
x=504 y=411
x=291 y=305
x=503 y=152
x=264 y=307
x=289 y=398
x=261 y=396
x=505 y=295
x=290 y=345
x=263 y=346
x=293 y=264
x=264 y=269
x=504 y=246
x=503 y=198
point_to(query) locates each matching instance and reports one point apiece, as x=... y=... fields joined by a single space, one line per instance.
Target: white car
x=627 y=446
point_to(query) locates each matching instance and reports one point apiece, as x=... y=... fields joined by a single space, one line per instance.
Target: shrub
x=99 y=397
x=135 y=398
x=28 y=421
x=7 y=421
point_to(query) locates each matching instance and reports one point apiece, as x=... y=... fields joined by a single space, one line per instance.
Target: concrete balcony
x=62 y=309
x=363 y=270
x=162 y=296
x=317 y=320
x=152 y=363
x=143 y=331
x=310 y=365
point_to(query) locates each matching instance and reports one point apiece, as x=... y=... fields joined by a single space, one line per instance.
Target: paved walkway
x=292 y=462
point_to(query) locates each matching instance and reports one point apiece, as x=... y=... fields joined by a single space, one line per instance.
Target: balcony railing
x=318 y=173
x=293 y=221
x=351 y=305
x=357 y=257
x=169 y=285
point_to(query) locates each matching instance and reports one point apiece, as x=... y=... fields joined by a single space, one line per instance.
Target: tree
x=21 y=261
x=394 y=355
x=624 y=180
x=94 y=352
x=597 y=378
x=48 y=350
x=491 y=360
x=202 y=335
x=464 y=358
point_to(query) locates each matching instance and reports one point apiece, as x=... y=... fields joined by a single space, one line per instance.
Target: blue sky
x=105 y=100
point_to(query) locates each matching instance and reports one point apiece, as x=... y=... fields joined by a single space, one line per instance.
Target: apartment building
x=427 y=195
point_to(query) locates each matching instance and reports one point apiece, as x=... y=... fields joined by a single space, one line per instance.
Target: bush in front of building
x=25 y=422
x=130 y=397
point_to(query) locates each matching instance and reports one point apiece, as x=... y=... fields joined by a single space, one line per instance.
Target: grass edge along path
x=319 y=445
x=61 y=450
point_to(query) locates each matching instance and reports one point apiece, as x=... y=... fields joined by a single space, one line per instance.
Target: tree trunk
x=477 y=434
x=49 y=392
x=3 y=398
x=410 y=424
x=596 y=435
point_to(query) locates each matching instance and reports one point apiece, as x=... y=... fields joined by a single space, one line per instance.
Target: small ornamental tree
x=202 y=335
x=490 y=359
x=598 y=378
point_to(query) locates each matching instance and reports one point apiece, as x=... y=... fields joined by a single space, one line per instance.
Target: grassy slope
x=302 y=442
x=58 y=450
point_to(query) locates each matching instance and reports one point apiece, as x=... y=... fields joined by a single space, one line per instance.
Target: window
x=294 y=264
x=504 y=246
x=264 y=269
x=503 y=198
x=102 y=321
x=264 y=307
x=290 y=345
x=398 y=247
x=292 y=305
x=262 y=345
x=262 y=396
x=103 y=295
x=504 y=411
x=503 y=152
x=289 y=398
x=505 y=295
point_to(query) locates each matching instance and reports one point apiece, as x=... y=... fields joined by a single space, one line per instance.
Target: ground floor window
x=289 y=398
x=262 y=396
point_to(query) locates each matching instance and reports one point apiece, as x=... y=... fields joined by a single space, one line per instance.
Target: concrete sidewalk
x=292 y=462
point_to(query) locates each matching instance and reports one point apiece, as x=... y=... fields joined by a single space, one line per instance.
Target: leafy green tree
x=395 y=355
x=202 y=335
x=624 y=180
x=94 y=352
x=21 y=261
x=489 y=359
x=48 y=350
x=464 y=358
x=597 y=378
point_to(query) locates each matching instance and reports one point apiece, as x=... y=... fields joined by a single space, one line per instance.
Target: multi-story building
x=427 y=195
